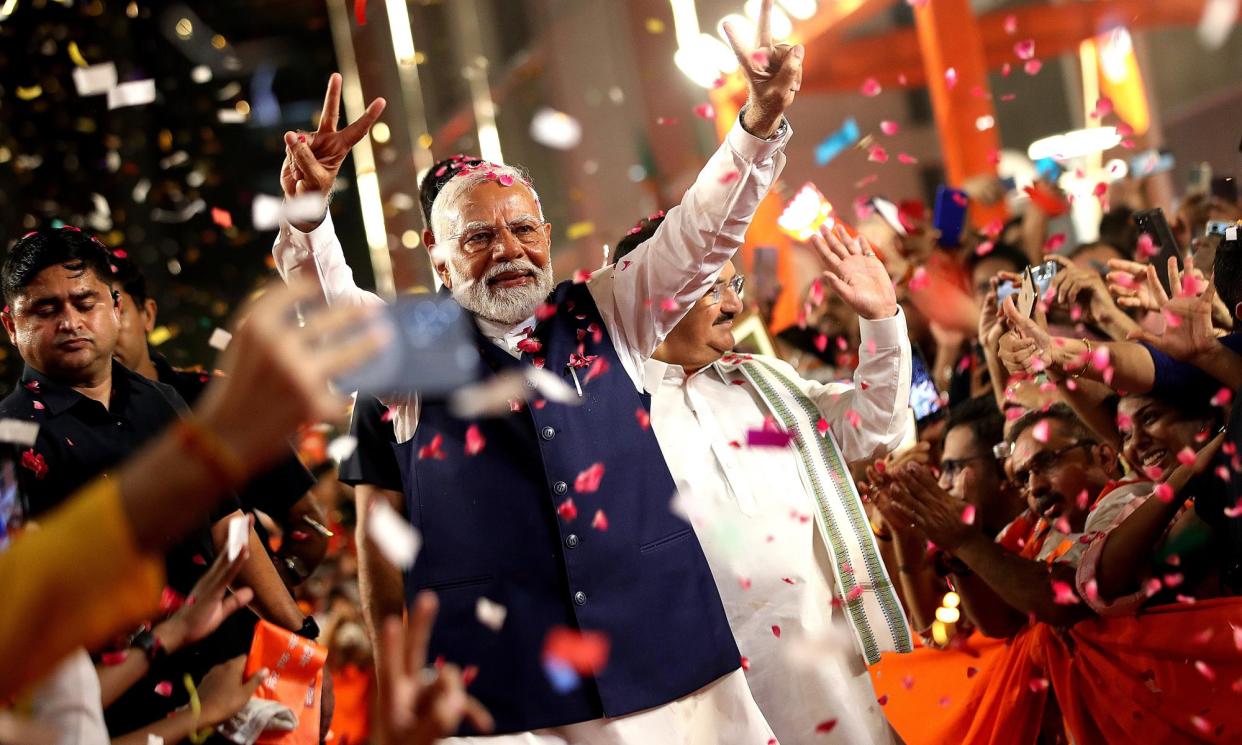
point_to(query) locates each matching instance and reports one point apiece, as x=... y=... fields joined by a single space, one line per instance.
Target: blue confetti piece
x=560 y=675
x=837 y=142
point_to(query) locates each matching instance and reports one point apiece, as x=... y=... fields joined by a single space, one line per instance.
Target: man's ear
x=1237 y=312
x=1106 y=455
x=151 y=310
x=6 y=318
x=437 y=263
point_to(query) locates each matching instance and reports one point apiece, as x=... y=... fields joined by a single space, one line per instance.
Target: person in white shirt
x=784 y=532
x=503 y=281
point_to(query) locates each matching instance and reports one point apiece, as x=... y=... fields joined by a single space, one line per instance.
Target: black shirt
x=78 y=440
x=373 y=460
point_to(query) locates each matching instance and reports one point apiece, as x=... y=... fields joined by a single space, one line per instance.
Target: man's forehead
x=1028 y=445
x=487 y=200
x=63 y=280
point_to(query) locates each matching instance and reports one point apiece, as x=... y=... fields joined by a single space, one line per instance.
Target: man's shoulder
x=143 y=385
x=17 y=402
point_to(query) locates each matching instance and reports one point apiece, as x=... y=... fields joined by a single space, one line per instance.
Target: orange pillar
x=949 y=38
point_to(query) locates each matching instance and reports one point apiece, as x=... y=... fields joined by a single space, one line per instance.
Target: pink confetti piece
x=1006 y=71
x=665 y=121
x=1063 y=593
x=1040 y=431
x=907 y=159
x=821 y=342
x=816 y=293
x=950 y=77
x=821 y=426
x=1222 y=397
x=730 y=176
x=474 y=440
x=1147 y=246
x=1011 y=24
x=600 y=521
x=163 y=688
x=1201 y=724
x=1103 y=107
x=669 y=304
x=854 y=418
x=705 y=111
x=1025 y=49
x=567 y=510
x=889 y=128
x=1186 y=456
x=776 y=631
x=877 y=154
x=505 y=179
x=432 y=449
x=968 y=514
x=588 y=480
x=825 y=726
x=1054 y=243
x=113 y=658
x=530 y=346
x=360 y=12
x=766 y=438
x=221 y=217
x=1032 y=67
x=1039 y=684
x=1164 y=493
x=643 y=417
x=920 y=280
x=871 y=88
x=882 y=700
x=759 y=57
x=854 y=594
x=581 y=276
x=908 y=682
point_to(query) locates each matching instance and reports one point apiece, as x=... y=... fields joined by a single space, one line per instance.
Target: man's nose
x=507 y=246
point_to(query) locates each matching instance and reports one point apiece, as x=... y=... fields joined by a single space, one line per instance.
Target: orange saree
x=1172 y=674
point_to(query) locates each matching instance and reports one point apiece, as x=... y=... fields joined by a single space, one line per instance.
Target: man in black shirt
x=61 y=314
x=282 y=492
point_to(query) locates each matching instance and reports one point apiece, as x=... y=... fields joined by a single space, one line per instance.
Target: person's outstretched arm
x=94 y=567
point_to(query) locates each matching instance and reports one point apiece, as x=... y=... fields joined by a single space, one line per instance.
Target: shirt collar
x=58 y=397
x=655 y=372
x=507 y=336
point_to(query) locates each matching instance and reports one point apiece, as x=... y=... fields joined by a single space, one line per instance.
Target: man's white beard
x=507 y=306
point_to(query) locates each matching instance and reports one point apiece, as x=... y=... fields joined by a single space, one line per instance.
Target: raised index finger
x=764 y=36
x=331 y=105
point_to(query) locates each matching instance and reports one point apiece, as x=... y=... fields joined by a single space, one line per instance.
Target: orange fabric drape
x=1172 y=674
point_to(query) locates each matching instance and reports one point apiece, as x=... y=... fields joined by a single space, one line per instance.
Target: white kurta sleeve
x=318 y=255
x=646 y=294
x=868 y=419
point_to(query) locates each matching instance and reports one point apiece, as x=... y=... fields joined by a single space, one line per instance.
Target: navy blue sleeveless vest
x=491 y=529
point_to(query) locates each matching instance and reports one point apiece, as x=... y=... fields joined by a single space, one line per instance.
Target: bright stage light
x=800 y=9
x=1075 y=144
x=805 y=213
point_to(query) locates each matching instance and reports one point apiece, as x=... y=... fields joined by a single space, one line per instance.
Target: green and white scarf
x=866 y=592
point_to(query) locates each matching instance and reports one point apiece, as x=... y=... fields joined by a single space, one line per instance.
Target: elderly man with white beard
x=498 y=499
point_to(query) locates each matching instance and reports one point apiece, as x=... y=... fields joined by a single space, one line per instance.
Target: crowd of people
x=646 y=533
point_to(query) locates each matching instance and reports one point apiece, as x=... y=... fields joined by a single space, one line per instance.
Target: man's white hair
x=445 y=221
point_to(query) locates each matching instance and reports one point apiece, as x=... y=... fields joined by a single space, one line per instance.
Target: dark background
x=58 y=150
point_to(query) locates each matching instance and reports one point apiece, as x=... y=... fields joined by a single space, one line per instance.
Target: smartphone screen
x=950 y=215
x=1152 y=222
x=924 y=398
x=432 y=350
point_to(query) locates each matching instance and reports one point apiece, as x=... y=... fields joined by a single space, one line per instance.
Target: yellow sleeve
x=76 y=580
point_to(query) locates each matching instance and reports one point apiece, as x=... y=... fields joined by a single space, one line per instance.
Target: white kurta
x=754 y=517
x=680 y=262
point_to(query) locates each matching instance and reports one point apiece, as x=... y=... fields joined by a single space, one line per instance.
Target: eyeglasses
x=480 y=239
x=736 y=284
x=952 y=467
x=1045 y=462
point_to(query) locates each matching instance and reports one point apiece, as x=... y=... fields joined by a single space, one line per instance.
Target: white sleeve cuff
x=885 y=332
x=751 y=148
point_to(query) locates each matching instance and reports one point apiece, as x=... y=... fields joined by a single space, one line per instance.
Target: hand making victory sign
x=313 y=160
x=773 y=73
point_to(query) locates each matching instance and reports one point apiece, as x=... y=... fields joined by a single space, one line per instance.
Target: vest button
x=547 y=433
x=571 y=540
x=580 y=598
x=560 y=487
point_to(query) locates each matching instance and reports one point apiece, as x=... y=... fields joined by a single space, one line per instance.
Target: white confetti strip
x=18 y=431
x=94 y=80
x=220 y=339
x=134 y=93
x=396 y=539
x=492 y=397
x=1217 y=22
x=238 y=536
x=342 y=447
x=490 y=614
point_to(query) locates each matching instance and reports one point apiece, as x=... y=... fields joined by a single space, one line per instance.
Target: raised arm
x=307 y=246
x=880 y=397
x=646 y=295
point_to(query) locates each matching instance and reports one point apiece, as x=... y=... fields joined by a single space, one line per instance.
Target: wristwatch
x=149 y=644
x=310 y=629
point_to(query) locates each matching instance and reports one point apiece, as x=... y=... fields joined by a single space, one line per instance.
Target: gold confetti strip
x=655 y=26
x=579 y=230
x=29 y=93
x=7 y=10
x=76 y=55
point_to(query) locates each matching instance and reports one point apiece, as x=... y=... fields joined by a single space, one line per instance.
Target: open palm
x=855 y=273
x=1188 y=315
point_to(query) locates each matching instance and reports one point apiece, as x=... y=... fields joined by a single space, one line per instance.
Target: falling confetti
x=588 y=480
x=491 y=614
x=395 y=538
x=889 y=128
x=600 y=521
x=474 y=440
x=871 y=88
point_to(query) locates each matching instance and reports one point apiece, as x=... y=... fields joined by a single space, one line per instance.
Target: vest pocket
x=661 y=542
